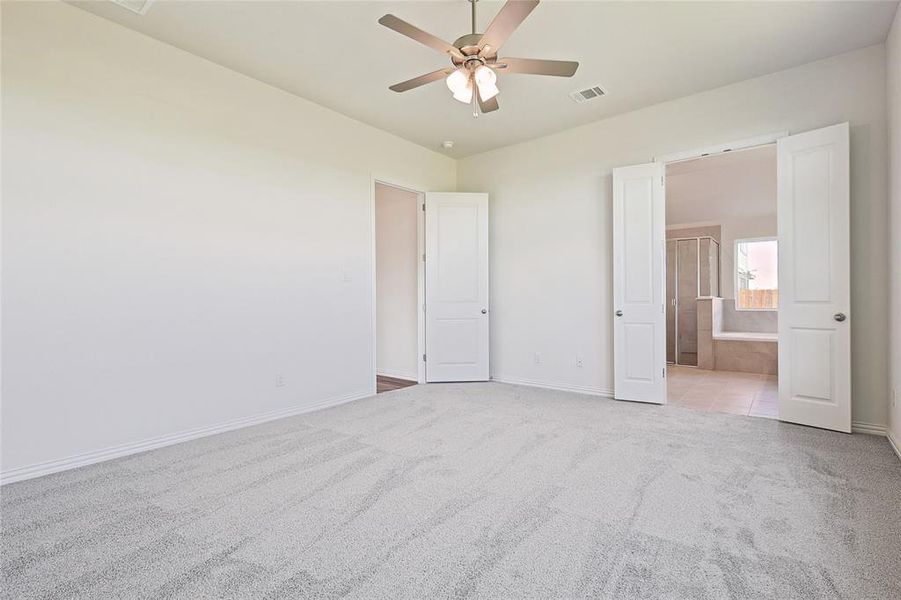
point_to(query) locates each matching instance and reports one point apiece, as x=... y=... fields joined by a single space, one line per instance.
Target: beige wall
x=397 y=281
x=893 y=71
x=551 y=217
x=176 y=239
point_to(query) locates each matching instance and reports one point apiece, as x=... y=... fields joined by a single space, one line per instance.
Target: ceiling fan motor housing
x=468 y=45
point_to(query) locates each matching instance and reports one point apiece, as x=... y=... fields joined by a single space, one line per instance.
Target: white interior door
x=639 y=322
x=814 y=279
x=456 y=287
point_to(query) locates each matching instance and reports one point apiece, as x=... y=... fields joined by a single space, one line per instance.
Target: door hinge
x=423 y=257
x=423 y=208
x=423 y=358
x=664 y=372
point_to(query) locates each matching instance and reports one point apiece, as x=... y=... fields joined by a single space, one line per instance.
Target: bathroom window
x=756 y=285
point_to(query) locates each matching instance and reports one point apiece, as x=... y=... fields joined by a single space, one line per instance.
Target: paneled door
x=814 y=278
x=456 y=287
x=639 y=320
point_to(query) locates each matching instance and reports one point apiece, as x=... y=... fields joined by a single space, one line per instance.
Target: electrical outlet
x=579 y=362
x=279 y=380
x=536 y=358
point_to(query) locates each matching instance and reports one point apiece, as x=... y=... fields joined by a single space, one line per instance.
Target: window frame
x=736 y=242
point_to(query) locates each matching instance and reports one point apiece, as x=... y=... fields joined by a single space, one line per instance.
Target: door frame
x=765 y=139
x=742 y=144
x=420 y=277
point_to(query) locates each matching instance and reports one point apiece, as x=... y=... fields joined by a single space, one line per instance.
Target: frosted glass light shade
x=464 y=95
x=483 y=75
x=488 y=90
x=457 y=80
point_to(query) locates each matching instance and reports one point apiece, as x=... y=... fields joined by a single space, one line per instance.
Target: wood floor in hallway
x=387 y=384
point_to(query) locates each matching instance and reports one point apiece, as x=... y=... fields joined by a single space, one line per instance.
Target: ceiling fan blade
x=537 y=66
x=488 y=105
x=423 y=37
x=505 y=23
x=409 y=84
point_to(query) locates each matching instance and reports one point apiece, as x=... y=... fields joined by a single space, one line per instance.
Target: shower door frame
x=675 y=299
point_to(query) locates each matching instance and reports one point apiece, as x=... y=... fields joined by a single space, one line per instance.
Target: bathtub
x=722 y=346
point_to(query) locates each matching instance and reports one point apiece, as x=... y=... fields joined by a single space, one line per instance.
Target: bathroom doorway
x=721 y=290
x=810 y=351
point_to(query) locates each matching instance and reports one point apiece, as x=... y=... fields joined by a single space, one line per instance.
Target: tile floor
x=723 y=391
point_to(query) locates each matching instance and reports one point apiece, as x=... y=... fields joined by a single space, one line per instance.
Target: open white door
x=639 y=323
x=456 y=287
x=814 y=279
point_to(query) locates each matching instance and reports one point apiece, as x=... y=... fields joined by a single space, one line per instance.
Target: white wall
x=893 y=71
x=397 y=282
x=174 y=236
x=551 y=263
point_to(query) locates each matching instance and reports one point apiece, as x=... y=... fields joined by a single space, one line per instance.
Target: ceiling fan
x=473 y=76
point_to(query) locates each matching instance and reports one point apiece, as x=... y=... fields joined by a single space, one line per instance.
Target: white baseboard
x=893 y=443
x=89 y=458
x=856 y=426
x=411 y=376
x=563 y=387
x=96 y=456
x=868 y=428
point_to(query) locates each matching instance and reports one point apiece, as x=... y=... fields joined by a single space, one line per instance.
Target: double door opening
x=430 y=287
x=812 y=193
x=722 y=285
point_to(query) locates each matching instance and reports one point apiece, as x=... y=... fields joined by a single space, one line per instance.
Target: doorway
x=813 y=334
x=398 y=290
x=721 y=282
x=448 y=281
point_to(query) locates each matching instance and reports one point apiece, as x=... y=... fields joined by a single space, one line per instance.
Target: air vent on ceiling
x=586 y=95
x=136 y=6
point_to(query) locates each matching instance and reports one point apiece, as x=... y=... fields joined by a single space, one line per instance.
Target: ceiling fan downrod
x=475 y=101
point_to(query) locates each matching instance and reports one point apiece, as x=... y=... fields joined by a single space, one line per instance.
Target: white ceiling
x=641 y=53
x=722 y=188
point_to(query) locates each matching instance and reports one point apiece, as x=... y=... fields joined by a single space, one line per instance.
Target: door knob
x=484 y=311
x=619 y=313
x=839 y=317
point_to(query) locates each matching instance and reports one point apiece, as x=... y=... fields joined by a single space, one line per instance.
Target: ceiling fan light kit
x=486 y=80
x=473 y=77
x=460 y=85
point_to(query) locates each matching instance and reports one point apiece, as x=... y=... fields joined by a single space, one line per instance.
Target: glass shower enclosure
x=692 y=271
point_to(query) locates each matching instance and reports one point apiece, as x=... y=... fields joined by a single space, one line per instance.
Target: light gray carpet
x=477 y=490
